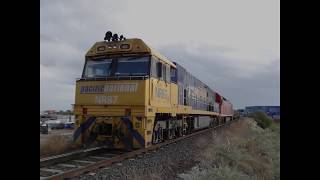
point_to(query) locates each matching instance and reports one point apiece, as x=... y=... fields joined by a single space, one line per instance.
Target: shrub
x=219 y=173
x=262 y=119
x=56 y=145
x=252 y=158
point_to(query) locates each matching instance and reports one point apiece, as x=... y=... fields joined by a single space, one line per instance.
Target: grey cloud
x=201 y=62
x=56 y=95
x=260 y=88
x=78 y=22
x=69 y=28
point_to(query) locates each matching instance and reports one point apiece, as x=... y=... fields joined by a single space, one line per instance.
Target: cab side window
x=173 y=74
x=164 y=74
x=160 y=70
x=168 y=76
x=156 y=68
x=153 y=67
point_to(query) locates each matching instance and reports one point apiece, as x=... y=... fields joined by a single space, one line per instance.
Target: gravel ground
x=164 y=163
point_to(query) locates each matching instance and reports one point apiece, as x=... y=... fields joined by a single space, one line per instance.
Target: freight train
x=130 y=97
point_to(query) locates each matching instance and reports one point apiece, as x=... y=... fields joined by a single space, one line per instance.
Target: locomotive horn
x=115 y=37
x=108 y=36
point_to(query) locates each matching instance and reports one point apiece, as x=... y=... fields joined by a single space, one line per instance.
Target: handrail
x=114 y=78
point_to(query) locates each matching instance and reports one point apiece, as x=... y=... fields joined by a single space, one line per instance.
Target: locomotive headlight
x=124 y=46
x=101 y=48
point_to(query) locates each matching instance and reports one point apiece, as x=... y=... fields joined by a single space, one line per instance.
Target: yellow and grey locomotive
x=130 y=96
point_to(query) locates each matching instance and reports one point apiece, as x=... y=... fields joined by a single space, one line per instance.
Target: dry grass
x=135 y=174
x=56 y=145
x=244 y=151
x=148 y=177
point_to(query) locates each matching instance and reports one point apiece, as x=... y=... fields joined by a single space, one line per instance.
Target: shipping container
x=276 y=117
x=269 y=110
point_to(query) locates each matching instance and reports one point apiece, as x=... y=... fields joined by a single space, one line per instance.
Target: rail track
x=73 y=164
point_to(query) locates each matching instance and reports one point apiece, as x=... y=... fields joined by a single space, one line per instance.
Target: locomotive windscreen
x=123 y=66
x=133 y=66
x=97 y=68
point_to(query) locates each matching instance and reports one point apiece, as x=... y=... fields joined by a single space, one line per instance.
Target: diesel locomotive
x=130 y=96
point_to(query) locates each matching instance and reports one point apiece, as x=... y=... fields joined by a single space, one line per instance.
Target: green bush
x=262 y=119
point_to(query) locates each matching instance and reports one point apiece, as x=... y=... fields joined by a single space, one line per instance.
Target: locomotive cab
x=115 y=96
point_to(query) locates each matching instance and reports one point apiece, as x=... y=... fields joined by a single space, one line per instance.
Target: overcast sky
x=231 y=45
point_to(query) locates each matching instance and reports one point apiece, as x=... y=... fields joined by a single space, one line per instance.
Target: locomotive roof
x=137 y=46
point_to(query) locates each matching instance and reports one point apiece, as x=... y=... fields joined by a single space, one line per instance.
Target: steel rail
x=118 y=158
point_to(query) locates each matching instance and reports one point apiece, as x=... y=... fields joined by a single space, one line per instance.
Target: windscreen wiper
x=136 y=57
x=128 y=74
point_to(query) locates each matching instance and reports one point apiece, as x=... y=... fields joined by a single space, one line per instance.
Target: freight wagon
x=130 y=96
